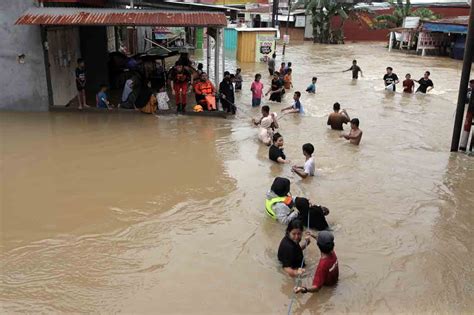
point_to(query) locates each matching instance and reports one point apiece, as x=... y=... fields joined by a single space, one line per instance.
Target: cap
x=325 y=238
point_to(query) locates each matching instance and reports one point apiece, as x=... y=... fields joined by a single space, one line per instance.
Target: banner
x=265 y=47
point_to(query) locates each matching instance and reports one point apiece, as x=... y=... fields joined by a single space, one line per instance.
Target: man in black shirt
x=390 y=79
x=355 y=70
x=226 y=91
x=425 y=83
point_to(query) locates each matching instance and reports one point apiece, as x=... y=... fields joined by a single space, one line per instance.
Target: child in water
x=309 y=167
x=287 y=79
x=312 y=87
x=238 y=79
x=296 y=107
x=257 y=90
x=327 y=272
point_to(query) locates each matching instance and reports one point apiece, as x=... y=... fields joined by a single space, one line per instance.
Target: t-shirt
x=287 y=81
x=81 y=75
x=297 y=105
x=424 y=84
x=408 y=84
x=101 y=100
x=311 y=88
x=390 y=79
x=309 y=166
x=336 y=120
x=355 y=71
x=276 y=84
x=274 y=153
x=290 y=254
x=327 y=272
x=256 y=88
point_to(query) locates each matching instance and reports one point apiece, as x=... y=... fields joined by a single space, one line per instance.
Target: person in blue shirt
x=296 y=107
x=312 y=87
x=102 y=99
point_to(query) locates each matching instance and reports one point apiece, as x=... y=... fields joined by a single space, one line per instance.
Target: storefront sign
x=300 y=21
x=265 y=47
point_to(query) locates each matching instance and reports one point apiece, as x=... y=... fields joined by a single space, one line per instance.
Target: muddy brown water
x=136 y=214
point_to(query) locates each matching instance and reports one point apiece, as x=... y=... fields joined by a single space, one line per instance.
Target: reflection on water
x=137 y=214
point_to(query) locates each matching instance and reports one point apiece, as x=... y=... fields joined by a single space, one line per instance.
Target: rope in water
x=298 y=279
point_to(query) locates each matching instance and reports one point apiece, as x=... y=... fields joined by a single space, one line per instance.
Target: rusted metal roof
x=94 y=16
x=456 y=20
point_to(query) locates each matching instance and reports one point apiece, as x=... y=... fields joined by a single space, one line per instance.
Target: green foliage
x=322 y=12
x=400 y=12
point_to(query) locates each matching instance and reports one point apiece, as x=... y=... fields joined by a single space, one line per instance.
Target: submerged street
x=105 y=213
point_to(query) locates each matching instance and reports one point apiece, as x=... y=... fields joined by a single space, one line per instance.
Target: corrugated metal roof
x=92 y=16
x=456 y=20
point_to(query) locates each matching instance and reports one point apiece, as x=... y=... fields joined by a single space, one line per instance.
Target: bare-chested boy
x=355 y=135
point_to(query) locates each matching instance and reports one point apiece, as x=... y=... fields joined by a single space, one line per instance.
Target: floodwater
x=136 y=214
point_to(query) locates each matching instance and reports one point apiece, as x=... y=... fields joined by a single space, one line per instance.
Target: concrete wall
x=23 y=86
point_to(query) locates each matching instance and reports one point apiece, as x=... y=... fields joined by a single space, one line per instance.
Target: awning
x=102 y=17
x=444 y=28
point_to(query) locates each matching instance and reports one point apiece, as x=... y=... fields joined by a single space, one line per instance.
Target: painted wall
x=356 y=30
x=23 y=85
x=359 y=30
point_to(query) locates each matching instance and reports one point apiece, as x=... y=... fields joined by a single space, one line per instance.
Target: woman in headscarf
x=316 y=213
x=279 y=203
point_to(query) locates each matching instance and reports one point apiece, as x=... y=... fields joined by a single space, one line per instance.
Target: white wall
x=308 y=30
x=23 y=86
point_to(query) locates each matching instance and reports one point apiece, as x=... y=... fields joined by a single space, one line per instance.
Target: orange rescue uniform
x=207 y=88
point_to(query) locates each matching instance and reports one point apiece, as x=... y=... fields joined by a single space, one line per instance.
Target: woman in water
x=316 y=213
x=290 y=251
x=275 y=153
x=279 y=203
x=268 y=123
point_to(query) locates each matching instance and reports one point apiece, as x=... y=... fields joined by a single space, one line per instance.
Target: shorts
x=271 y=71
x=256 y=102
x=80 y=87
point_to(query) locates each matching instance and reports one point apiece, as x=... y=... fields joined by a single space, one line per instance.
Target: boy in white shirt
x=163 y=99
x=309 y=166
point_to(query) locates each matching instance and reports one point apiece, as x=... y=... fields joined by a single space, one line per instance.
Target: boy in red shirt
x=327 y=272
x=408 y=84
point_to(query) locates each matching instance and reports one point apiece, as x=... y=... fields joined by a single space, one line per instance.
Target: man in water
x=226 y=91
x=355 y=70
x=327 y=273
x=338 y=118
x=425 y=83
x=355 y=135
x=271 y=64
x=390 y=79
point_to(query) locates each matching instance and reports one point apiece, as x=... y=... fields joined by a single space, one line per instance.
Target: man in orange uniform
x=205 y=93
x=179 y=86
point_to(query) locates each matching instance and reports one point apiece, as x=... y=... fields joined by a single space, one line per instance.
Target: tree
x=322 y=12
x=400 y=12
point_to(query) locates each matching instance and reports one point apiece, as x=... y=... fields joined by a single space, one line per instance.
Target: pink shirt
x=257 y=88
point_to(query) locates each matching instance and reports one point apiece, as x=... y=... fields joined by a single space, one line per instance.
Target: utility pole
x=466 y=71
x=287 y=22
x=275 y=12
